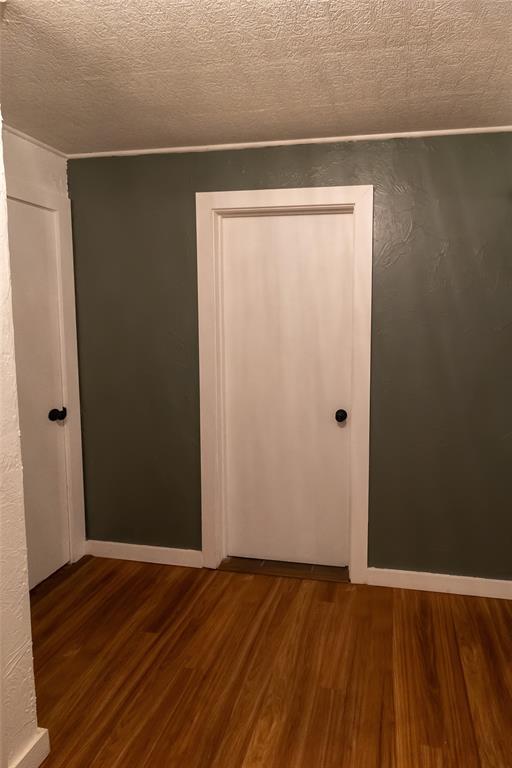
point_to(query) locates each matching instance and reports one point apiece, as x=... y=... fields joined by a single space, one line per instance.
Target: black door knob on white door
x=56 y=415
x=340 y=416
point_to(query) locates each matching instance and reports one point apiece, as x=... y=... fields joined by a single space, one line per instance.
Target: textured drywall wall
x=441 y=411
x=18 y=728
x=104 y=74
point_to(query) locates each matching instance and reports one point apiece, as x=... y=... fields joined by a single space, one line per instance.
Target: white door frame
x=45 y=197
x=211 y=209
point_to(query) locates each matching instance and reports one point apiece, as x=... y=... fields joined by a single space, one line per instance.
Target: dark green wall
x=441 y=402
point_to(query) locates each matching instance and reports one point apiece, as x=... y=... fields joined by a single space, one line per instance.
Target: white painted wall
x=27 y=161
x=21 y=739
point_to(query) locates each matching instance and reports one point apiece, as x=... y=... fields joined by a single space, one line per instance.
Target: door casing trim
x=211 y=207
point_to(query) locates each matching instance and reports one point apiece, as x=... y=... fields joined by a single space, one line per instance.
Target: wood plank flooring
x=142 y=665
x=281 y=568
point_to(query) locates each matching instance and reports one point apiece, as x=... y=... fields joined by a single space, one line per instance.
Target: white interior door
x=287 y=282
x=33 y=249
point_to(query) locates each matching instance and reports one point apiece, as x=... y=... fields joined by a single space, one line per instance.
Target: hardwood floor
x=143 y=665
x=281 y=568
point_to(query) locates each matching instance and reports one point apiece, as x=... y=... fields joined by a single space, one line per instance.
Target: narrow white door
x=33 y=249
x=286 y=286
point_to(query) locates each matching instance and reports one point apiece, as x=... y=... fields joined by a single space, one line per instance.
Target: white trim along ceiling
x=261 y=144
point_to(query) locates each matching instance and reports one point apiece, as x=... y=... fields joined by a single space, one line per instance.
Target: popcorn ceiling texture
x=109 y=75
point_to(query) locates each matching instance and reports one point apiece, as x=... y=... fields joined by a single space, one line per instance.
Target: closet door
x=34 y=254
x=287 y=333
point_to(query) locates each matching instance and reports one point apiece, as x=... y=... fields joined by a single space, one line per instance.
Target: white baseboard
x=379 y=577
x=33 y=755
x=440 y=582
x=143 y=553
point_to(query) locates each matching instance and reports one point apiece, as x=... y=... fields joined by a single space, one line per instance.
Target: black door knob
x=340 y=416
x=56 y=415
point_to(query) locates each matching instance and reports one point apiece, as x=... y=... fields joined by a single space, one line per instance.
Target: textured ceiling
x=93 y=75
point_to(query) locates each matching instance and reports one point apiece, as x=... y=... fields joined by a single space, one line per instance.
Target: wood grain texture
x=141 y=665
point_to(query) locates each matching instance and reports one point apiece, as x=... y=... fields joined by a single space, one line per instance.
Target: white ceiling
x=97 y=75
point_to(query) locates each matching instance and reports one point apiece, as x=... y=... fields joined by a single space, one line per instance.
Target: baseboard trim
x=143 y=553
x=37 y=751
x=440 y=582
